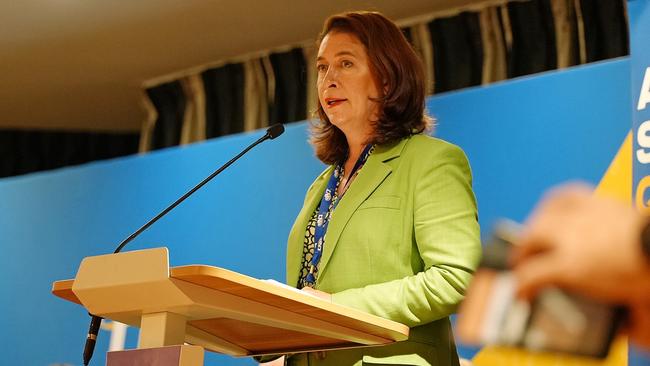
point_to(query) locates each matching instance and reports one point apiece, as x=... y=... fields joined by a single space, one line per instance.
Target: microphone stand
x=95 y=321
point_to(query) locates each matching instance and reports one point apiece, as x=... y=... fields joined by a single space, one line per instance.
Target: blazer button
x=321 y=355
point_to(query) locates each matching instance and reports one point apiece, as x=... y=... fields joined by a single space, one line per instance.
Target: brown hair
x=395 y=65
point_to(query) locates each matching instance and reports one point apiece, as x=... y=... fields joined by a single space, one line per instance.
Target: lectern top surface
x=232 y=313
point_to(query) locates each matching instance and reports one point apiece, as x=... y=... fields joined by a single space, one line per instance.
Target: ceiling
x=80 y=65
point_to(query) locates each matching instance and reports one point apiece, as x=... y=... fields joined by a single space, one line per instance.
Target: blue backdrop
x=521 y=136
x=639 y=12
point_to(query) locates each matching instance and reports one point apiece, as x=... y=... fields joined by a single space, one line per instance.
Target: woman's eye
x=346 y=64
x=321 y=68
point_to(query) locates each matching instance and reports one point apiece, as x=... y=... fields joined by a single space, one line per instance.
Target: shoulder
x=429 y=149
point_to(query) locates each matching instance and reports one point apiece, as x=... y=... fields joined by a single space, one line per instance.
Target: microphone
x=275 y=131
x=271 y=133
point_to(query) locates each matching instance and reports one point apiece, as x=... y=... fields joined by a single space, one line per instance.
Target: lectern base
x=162 y=356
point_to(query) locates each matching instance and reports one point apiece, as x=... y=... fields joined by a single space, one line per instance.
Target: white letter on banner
x=644 y=141
x=644 y=98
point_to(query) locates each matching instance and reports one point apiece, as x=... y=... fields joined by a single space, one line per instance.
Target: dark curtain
x=533 y=38
x=27 y=151
x=457 y=51
x=458 y=63
x=575 y=39
x=290 y=101
x=169 y=101
x=606 y=29
x=224 y=100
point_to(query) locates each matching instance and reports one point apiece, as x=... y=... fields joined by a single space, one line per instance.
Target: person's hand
x=276 y=362
x=587 y=244
x=321 y=294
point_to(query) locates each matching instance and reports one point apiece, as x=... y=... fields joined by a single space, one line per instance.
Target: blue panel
x=521 y=137
x=528 y=134
x=639 y=13
x=50 y=221
x=524 y=136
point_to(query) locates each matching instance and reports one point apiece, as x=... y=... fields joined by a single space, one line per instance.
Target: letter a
x=644 y=98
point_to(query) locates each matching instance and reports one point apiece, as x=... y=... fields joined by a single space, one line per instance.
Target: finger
x=537 y=236
x=546 y=226
x=563 y=198
x=535 y=273
x=523 y=252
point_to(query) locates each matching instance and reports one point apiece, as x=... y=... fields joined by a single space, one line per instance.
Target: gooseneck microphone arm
x=271 y=133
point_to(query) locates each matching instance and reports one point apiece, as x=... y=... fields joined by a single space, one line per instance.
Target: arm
x=445 y=230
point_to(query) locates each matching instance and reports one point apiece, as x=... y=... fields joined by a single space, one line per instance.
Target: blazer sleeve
x=446 y=233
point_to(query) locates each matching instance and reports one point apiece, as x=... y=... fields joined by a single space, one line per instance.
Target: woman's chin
x=338 y=121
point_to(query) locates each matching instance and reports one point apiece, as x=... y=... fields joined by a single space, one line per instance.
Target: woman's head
x=367 y=74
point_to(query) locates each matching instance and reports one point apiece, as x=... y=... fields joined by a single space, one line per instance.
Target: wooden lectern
x=214 y=309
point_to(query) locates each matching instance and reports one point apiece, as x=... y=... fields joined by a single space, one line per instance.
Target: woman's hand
x=321 y=294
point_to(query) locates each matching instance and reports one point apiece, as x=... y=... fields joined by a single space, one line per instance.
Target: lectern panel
x=260 y=339
x=225 y=311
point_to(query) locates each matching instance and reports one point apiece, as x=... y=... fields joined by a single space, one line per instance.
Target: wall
x=521 y=136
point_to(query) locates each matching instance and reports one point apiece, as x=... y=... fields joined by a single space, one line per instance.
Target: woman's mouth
x=333 y=102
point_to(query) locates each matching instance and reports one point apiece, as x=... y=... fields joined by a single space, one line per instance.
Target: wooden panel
x=162 y=356
x=63 y=289
x=261 y=339
x=228 y=310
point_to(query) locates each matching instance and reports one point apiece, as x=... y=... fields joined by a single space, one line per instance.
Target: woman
x=390 y=226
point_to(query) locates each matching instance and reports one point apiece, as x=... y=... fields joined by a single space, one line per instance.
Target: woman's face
x=346 y=84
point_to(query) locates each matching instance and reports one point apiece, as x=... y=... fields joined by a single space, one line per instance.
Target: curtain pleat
x=269 y=75
x=495 y=67
x=457 y=51
x=421 y=41
x=193 y=128
x=169 y=101
x=310 y=54
x=566 y=33
x=290 y=100
x=148 y=125
x=533 y=37
x=256 y=103
x=605 y=29
x=224 y=94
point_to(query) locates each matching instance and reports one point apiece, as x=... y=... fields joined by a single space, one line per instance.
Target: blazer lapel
x=374 y=171
x=296 y=241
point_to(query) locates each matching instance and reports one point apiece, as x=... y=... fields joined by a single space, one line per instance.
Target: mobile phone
x=555 y=320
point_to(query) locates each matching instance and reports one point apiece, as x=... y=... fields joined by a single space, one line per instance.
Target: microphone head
x=275 y=130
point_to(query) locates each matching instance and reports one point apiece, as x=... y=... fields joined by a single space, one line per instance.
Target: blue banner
x=639 y=12
x=639 y=15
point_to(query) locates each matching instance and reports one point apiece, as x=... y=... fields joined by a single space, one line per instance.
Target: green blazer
x=402 y=244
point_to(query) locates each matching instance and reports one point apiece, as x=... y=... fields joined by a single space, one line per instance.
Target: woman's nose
x=331 y=78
